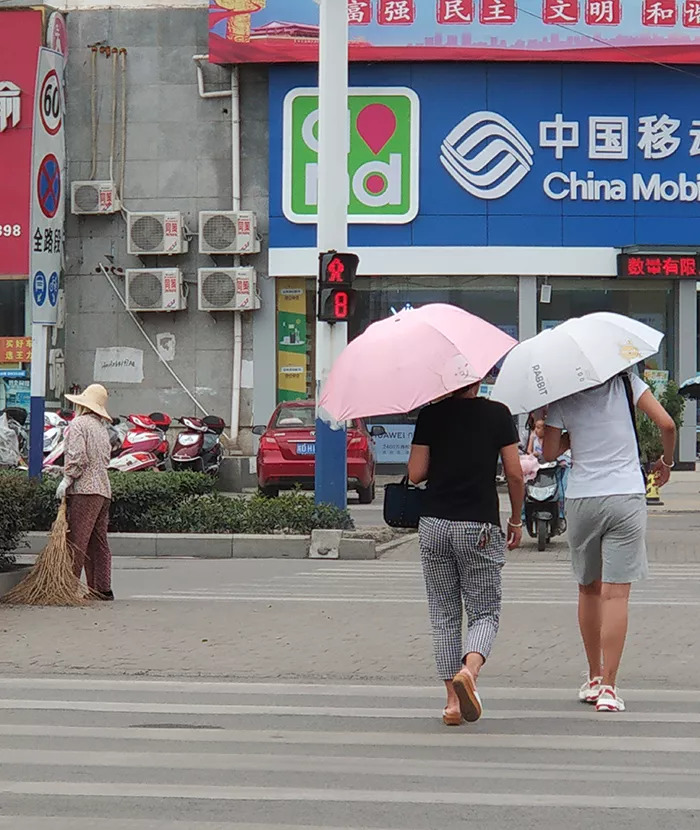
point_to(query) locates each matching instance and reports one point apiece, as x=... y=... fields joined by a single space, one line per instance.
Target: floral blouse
x=87 y=456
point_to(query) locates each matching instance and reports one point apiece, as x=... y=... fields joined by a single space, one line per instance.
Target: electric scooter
x=198 y=446
x=144 y=446
x=543 y=497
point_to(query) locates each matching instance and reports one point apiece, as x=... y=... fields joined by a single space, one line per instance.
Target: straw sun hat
x=93 y=398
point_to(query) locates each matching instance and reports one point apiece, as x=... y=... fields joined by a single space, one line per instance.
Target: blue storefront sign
x=528 y=155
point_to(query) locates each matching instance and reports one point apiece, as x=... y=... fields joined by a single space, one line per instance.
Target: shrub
x=16 y=495
x=649 y=436
x=165 y=503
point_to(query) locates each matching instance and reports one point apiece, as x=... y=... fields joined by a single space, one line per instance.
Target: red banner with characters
x=606 y=31
x=21 y=35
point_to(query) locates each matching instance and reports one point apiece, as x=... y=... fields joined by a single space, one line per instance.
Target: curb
x=215 y=546
x=8 y=579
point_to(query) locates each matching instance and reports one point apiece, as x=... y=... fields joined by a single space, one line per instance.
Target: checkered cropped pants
x=462 y=563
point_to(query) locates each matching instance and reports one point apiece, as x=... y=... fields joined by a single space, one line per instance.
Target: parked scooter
x=144 y=445
x=543 y=496
x=198 y=447
x=17 y=421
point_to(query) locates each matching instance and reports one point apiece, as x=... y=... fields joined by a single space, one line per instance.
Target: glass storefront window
x=12 y=308
x=649 y=302
x=493 y=298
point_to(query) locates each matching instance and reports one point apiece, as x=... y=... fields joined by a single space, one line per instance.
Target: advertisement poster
x=395 y=446
x=657 y=380
x=292 y=347
x=626 y=31
x=20 y=39
x=14 y=393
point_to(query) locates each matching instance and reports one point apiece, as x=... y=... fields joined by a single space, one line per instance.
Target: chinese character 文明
x=48 y=241
x=38 y=241
x=359 y=12
x=608 y=137
x=10 y=105
x=657 y=136
x=498 y=11
x=652 y=265
x=635 y=266
x=689 y=266
x=393 y=12
x=560 y=11
x=691 y=13
x=456 y=11
x=603 y=12
x=559 y=134
x=659 y=13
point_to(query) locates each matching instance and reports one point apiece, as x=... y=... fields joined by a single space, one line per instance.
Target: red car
x=288 y=446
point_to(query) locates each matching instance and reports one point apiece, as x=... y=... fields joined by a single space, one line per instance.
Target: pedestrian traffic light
x=336 y=296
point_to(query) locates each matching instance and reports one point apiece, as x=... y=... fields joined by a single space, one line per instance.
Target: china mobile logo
x=486 y=155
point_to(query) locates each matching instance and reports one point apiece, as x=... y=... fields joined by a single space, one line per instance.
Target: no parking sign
x=48 y=188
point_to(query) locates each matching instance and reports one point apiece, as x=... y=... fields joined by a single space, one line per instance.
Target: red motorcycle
x=198 y=446
x=145 y=446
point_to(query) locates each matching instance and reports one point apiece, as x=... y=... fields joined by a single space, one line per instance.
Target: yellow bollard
x=653 y=496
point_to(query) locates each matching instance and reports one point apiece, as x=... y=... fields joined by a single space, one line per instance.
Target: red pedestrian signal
x=336 y=297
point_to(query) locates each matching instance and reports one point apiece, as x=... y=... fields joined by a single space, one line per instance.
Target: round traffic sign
x=49 y=103
x=57 y=34
x=39 y=288
x=53 y=289
x=48 y=186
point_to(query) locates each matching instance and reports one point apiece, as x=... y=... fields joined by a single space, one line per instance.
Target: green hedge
x=165 y=503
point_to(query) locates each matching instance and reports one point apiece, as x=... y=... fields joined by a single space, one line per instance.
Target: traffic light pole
x=331 y=446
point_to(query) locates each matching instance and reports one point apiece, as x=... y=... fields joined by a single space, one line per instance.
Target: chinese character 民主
x=608 y=137
x=457 y=11
x=559 y=134
x=657 y=136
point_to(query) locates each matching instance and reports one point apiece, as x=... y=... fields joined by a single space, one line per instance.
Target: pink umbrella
x=414 y=357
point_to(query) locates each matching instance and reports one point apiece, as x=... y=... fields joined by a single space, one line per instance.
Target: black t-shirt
x=465 y=437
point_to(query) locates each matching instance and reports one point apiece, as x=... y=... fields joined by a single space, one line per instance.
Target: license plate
x=306 y=449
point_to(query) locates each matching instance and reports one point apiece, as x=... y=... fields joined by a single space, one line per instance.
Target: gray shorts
x=607 y=538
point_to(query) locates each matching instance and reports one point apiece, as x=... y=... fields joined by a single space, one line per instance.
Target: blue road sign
x=39 y=288
x=53 y=289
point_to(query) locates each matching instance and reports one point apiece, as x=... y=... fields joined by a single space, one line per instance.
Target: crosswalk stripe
x=280 y=710
x=277 y=737
x=353 y=796
x=156 y=686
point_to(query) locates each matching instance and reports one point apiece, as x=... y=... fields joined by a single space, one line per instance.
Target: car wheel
x=269 y=492
x=366 y=494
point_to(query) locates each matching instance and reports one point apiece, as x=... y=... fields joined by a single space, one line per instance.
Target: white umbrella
x=579 y=354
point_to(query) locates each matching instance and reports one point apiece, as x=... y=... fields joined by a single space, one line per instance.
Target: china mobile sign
x=488 y=156
x=382 y=159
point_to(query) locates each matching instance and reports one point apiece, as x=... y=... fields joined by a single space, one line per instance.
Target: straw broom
x=51 y=581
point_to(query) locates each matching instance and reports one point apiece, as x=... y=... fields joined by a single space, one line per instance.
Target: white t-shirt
x=605 y=460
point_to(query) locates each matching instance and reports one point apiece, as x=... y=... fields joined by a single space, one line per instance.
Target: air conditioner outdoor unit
x=227 y=289
x=155 y=233
x=228 y=232
x=154 y=289
x=94 y=198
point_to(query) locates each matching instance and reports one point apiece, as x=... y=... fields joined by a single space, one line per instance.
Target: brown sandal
x=469 y=700
x=451 y=718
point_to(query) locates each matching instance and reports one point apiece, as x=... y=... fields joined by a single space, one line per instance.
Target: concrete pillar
x=686 y=362
x=527 y=307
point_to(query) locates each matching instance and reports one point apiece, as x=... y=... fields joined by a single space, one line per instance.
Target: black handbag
x=402 y=504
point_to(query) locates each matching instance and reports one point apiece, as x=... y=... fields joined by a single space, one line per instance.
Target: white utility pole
x=333 y=146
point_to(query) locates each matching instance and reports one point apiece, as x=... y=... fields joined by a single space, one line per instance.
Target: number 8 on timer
x=336 y=296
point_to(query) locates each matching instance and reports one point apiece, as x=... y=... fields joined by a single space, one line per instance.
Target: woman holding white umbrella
x=580 y=370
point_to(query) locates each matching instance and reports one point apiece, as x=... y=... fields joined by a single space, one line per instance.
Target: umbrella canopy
x=579 y=354
x=691 y=388
x=414 y=357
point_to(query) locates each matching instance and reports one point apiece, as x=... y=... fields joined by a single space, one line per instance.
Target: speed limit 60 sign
x=46 y=237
